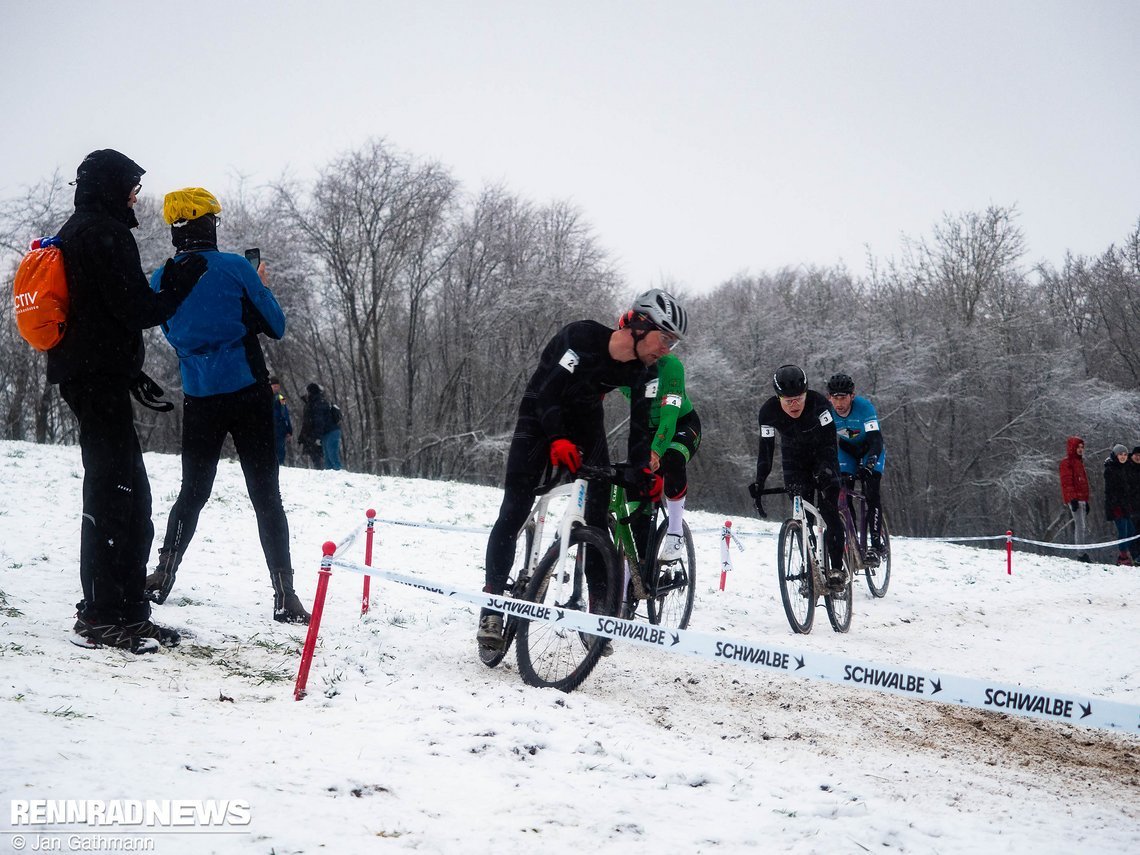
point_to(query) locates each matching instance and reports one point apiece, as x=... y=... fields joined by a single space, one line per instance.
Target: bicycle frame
x=813 y=542
x=855 y=522
x=574 y=515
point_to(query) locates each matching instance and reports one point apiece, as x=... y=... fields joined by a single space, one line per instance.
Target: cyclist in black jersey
x=803 y=419
x=561 y=422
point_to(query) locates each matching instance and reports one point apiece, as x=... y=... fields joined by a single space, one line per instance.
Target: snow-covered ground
x=407 y=742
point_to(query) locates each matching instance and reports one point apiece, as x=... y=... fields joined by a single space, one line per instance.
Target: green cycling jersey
x=670 y=402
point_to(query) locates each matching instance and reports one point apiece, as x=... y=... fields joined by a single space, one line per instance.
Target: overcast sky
x=700 y=138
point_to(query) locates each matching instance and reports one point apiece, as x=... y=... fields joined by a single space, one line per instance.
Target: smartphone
x=253 y=256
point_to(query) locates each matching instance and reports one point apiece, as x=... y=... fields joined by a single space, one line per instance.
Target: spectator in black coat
x=98 y=366
x=1118 y=499
x=320 y=429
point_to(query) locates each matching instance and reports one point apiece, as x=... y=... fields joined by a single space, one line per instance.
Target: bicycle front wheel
x=561 y=657
x=672 y=581
x=797 y=589
x=878 y=578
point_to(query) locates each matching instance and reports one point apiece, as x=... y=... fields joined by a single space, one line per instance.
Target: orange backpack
x=40 y=290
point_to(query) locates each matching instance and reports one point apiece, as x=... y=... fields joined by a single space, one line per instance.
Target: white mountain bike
x=803 y=566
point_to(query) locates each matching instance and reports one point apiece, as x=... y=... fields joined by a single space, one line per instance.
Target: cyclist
x=561 y=422
x=862 y=452
x=675 y=437
x=806 y=426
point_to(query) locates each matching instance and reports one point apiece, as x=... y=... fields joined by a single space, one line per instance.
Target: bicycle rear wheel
x=797 y=589
x=878 y=578
x=517 y=589
x=561 y=657
x=839 y=605
x=672 y=587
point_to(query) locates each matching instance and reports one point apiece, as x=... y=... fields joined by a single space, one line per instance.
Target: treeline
x=421 y=308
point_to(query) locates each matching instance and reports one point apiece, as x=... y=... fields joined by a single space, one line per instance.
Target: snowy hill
x=406 y=742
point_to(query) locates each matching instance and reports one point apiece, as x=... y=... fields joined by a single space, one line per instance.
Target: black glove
x=182 y=275
x=643 y=484
x=867 y=468
x=1073 y=505
x=754 y=490
x=147 y=393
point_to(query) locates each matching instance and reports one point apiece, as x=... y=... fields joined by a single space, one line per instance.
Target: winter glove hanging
x=148 y=393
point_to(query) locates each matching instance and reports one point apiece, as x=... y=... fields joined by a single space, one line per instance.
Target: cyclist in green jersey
x=676 y=432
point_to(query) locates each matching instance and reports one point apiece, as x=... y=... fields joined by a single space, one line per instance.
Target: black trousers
x=116 y=532
x=820 y=486
x=247 y=416
x=527 y=461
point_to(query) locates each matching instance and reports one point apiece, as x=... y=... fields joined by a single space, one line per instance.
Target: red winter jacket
x=1074 y=479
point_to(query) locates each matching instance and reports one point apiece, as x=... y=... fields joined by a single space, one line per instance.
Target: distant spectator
x=1117 y=499
x=282 y=424
x=1075 y=489
x=320 y=429
x=1133 y=470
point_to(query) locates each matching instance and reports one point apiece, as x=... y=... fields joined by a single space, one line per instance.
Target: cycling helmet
x=789 y=381
x=656 y=310
x=840 y=384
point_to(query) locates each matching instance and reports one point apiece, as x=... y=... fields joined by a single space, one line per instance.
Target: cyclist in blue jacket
x=227 y=391
x=862 y=452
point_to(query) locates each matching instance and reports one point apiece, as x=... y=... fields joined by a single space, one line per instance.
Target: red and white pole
x=725 y=553
x=1009 y=553
x=371 y=514
x=329 y=549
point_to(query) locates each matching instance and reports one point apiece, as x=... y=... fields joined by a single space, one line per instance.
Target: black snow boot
x=161 y=581
x=287 y=606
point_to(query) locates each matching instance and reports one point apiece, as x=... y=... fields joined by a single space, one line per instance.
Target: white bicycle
x=579 y=571
x=803 y=566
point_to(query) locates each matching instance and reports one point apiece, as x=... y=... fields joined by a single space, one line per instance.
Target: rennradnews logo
x=183 y=814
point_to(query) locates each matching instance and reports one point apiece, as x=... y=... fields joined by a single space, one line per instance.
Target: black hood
x=105 y=179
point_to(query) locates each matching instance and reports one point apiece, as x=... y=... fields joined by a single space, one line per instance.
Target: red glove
x=658 y=487
x=565 y=453
x=652 y=485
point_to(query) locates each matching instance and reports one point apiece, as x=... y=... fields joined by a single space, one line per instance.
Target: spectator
x=282 y=424
x=98 y=366
x=1075 y=489
x=320 y=429
x=1117 y=499
x=1133 y=469
x=227 y=392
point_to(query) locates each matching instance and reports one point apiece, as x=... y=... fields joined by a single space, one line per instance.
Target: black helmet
x=840 y=384
x=789 y=381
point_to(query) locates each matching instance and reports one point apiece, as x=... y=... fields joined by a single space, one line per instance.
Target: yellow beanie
x=189 y=203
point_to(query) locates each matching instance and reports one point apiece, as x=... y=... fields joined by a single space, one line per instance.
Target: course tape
x=1068 y=708
x=766 y=535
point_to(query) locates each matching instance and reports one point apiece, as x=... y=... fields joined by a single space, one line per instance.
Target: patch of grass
x=68 y=712
x=7 y=610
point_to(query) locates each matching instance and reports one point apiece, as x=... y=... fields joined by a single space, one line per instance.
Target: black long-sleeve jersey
x=808 y=444
x=574 y=372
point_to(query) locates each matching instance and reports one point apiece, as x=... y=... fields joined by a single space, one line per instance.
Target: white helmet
x=656 y=310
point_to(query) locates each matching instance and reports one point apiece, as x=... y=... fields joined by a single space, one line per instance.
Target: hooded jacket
x=110 y=300
x=1074 y=478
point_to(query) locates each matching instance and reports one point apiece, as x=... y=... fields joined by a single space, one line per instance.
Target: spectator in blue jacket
x=227 y=392
x=282 y=424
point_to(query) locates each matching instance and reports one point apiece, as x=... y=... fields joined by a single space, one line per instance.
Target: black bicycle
x=853 y=506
